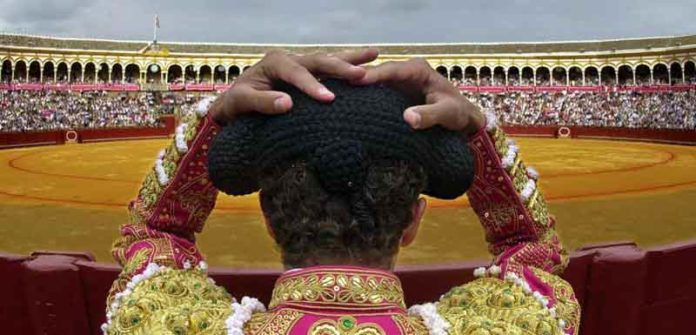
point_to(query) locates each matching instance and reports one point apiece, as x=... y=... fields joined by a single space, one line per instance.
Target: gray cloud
x=356 y=21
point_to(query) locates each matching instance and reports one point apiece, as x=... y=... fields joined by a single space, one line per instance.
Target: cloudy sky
x=351 y=21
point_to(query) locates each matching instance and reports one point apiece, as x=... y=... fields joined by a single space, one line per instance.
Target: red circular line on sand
x=12 y=164
x=625 y=169
x=672 y=156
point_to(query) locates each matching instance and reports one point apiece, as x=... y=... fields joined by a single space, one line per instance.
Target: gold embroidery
x=173 y=302
x=151 y=190
x=410 y=325
x=364 y=289
x=567 y=307
x=280 y=322
x=331 y=327
x=492 y=306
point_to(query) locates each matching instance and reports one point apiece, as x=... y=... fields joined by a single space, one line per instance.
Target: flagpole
x=156 y=25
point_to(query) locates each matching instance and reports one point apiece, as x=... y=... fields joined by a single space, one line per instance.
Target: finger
x=297 y=75
x=333 y=67
x=247 y=99
x=358 y=57
x=426 y=116
x=389 y=71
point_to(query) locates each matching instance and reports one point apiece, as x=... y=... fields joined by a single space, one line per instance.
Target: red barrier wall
x=623 y=290
x=678 y=136
x=13 y=140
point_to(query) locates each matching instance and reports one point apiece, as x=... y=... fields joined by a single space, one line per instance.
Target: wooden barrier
x=623 y=290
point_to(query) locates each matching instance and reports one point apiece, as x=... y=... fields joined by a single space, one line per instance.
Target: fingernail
x=412 y=118
x=326 y=93
x=278 y=104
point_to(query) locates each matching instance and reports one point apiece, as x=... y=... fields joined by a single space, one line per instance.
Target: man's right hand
x=443 y=104
x=253 y=90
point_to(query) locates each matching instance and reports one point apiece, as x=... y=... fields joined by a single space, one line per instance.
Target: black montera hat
x=338 y=140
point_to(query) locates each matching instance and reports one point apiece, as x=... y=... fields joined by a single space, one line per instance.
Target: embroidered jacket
x=163 y=287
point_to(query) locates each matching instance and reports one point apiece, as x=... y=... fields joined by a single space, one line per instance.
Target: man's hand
x=444 y=105
x=252 y=91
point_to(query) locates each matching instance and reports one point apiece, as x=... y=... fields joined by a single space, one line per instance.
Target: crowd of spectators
x=23 y=111
x=46 y=110
x=676 y=110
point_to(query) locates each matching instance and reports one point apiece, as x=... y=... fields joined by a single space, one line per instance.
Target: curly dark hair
x=313 y=227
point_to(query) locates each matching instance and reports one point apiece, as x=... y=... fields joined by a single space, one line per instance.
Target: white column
x=41 y=68
x=652 y=79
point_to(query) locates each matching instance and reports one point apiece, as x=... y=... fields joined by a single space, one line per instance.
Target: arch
x=153 y=73
x=219 y=74
x=190 y=74
x=527 y=76
x=607 y=76
x=470 y=75
x=205 y=74
x=642 y=74
x=442 y=70
x=246 y=68
x=20 y=71
x=62 y=72
x=75 y=72
x=49 y=72
x=625 y=75
x=676 y=73
x=131 y=73
x=485 y=76
x=559 y=76
x=513 y=76
x=690 y=72
x=175 y=74
x=499 y=76
x=117 y=73
x=90 y=75
x=232 y=73
x=591 y=76
x=575 y=76
x=543 y=76
x=34 y=75
x=103 y=73
x=660 y=74
x=456 y=73
x=6 y=71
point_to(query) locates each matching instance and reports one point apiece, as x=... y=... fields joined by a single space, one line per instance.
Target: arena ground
x=73 y=197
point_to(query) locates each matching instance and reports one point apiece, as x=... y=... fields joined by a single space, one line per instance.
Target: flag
x=157 y=23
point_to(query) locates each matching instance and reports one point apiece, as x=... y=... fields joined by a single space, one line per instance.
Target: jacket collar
x=340 y=288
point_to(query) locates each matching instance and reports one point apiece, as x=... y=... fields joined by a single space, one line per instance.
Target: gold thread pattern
x=173 y=302
x=328 y=287
x=493 y=306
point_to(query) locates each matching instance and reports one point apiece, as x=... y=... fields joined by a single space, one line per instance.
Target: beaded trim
x=242 y=314
x=524 y=178
x=436 y=324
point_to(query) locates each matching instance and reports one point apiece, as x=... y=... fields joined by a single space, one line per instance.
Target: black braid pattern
x=338 y=140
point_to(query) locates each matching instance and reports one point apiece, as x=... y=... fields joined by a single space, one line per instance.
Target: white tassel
x=180 y=138
x=491 y=120
x=528 y=189
x=204 y=105
x=436 y=324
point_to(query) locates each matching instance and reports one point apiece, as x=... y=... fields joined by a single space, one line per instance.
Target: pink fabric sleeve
x=173 y=203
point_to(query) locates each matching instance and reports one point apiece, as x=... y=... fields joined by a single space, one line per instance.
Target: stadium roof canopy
x=649 y=43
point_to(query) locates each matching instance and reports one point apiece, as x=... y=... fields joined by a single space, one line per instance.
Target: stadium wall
x=623 y=290
x=15 y=140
